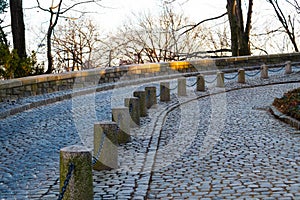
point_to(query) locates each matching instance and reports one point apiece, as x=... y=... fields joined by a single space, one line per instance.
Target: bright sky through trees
x=115 y=12
x=112 y=14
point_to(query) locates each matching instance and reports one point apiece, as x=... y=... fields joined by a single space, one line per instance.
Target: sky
x=114 y=13
x=194 y=9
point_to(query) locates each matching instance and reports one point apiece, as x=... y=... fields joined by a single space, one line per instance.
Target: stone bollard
x=134 y=110
x=165 y=91
x=200 y=83
x=288 y=67
x=105 y=146
x=150 y=96
x=80 y=185
x=142 y=101
x=264 y=71
x=122 y=118
x=241 y=77
x=181 y=89
x=220 y=79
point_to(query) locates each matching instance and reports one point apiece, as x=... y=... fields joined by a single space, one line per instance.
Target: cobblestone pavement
x=208 y=145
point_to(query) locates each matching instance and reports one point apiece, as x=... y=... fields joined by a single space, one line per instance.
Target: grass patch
x=289 y=104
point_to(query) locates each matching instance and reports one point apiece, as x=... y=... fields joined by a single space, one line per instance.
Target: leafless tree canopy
x=156 y=39
x=287 y=21
x=74 y=49
x=56 y=12
x=76 y=42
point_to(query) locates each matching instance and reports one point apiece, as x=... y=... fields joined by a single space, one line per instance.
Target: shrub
x=289 y=104
x=12 y=66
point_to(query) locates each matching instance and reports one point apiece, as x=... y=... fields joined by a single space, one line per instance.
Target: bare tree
x=155 y=38
x=287 y=22
x=75 y=43
x=240 y=32
x=56 y=12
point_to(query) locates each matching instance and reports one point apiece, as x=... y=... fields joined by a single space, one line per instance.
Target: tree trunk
x=53 y=22
x=245 y=32
x=239 y=34
x=231 y=10
x=18 y=27
x=49 y=49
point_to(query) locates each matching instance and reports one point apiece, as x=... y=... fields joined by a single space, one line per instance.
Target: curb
x=282 y=117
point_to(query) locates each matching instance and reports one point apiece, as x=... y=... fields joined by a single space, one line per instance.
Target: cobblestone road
x=254 y=155
x=216 y=146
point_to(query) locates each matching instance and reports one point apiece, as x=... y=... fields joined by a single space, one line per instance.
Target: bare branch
x=269 y=32
x=258 y=48
x=63 y=11
x=76 y=4
x=169 y=1
x=295 y=4
x=287 y=24
x=194 y=26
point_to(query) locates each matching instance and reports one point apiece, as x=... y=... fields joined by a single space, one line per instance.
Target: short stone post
x=105 y=146
x=165 y=91
x=134 y=110
x=241 y=76
x=264 y=71
x=181 y=89
x=220 y=79
x=142 y=101
x=200 y=83
x=288 y=67
x=77 y=161
x=122 y=118
x=150 y=96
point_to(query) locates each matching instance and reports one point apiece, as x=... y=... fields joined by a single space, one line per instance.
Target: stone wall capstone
x=44 y=84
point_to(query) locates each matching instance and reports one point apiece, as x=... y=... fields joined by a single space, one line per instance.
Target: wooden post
x=105 y=146
x=77 y=160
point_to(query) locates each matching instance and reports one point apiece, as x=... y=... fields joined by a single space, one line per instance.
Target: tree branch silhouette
x=195 y=25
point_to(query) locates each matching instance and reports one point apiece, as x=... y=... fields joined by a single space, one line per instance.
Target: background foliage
x=11 y=65
x=289 y=104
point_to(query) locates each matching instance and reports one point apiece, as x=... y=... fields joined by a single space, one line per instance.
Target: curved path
x=217 y=146
x=253 y=155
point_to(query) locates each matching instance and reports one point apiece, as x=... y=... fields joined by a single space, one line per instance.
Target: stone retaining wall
x=36 y=85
